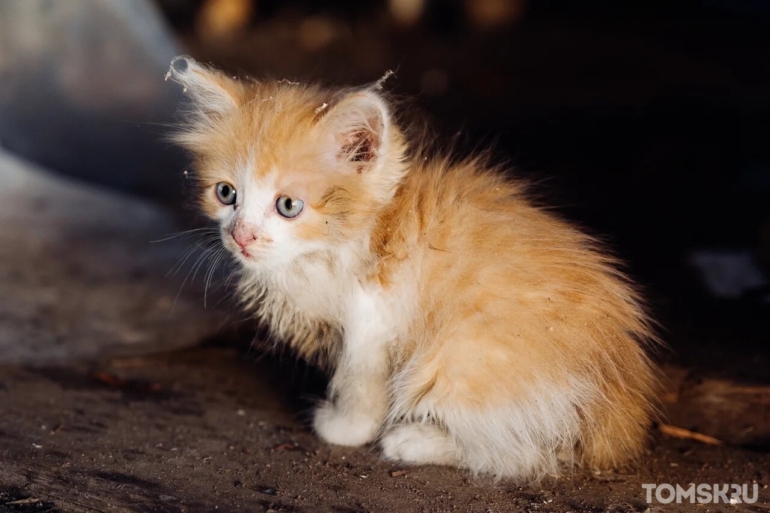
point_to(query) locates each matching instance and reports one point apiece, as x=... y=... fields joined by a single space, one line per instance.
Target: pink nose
x=244 y=234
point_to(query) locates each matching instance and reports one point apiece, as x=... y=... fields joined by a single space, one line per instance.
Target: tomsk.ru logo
x=704 y=493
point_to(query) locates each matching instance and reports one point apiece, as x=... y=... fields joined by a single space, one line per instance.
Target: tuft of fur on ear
x=359 y=125
x=211 y=92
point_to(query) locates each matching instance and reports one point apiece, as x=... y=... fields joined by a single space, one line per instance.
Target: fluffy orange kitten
x=463 y=325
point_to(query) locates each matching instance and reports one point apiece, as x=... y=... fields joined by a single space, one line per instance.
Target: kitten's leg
x=420 y=444
x=358 y=395
x=357 y=406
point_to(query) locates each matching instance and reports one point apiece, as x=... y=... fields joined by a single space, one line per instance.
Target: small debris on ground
x=678 y=432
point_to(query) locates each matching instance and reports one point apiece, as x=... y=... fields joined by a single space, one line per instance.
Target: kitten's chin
x=252 y=260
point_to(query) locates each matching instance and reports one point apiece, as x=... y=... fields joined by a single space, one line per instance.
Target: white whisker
x=186 y=233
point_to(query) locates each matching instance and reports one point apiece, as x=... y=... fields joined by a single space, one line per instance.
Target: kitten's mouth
x=242 y=252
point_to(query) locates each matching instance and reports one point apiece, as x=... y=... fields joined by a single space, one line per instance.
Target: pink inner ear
x=359 y=125
x=360 y=146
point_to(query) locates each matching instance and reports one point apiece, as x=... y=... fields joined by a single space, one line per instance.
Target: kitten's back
x=521 y=313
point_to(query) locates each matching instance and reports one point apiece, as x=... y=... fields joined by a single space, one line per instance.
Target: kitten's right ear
x=210 y=90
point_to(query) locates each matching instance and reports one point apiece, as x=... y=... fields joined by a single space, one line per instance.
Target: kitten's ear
x=359 y=126
x=210 y=90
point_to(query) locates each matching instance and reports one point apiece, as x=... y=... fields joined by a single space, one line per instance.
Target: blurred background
x=645 y=121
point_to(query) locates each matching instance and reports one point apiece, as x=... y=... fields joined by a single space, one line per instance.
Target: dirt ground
x=217 y=428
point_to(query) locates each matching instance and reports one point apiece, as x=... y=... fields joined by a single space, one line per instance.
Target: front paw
x=345 y=428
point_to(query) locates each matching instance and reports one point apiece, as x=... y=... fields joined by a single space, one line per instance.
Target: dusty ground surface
x=214 y=428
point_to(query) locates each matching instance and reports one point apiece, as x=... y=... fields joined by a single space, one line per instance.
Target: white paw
x=344 y=428
x=420 y=444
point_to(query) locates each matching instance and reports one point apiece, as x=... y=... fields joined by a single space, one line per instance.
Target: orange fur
x=514 y=345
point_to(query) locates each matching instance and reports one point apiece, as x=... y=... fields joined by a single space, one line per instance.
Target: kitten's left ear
x=211 y=91
x=359 y=125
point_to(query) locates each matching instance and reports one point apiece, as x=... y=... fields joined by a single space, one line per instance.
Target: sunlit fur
x=462 y=324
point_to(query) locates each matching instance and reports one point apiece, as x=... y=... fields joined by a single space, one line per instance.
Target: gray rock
x=79 y=277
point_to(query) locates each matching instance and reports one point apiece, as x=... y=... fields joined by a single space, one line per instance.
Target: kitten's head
x=286 y=169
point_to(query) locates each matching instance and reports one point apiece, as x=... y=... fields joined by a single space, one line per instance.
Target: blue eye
x=225 y=193
x=289 y=207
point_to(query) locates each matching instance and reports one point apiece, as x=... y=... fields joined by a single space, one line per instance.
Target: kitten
x=463 y=325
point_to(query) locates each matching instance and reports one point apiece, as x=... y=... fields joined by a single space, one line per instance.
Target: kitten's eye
x=289 y=207
x=225 y=193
